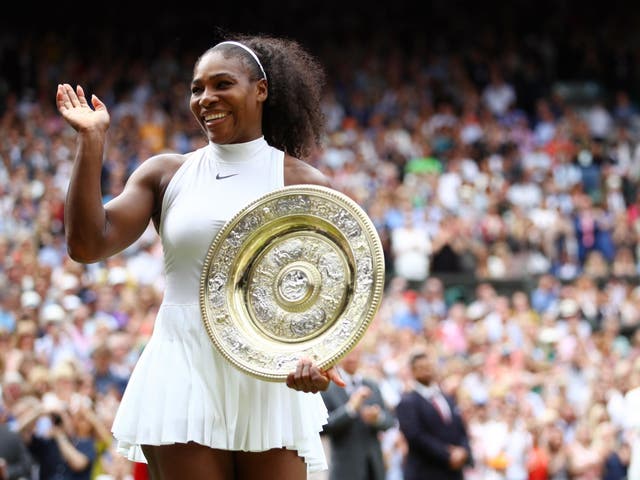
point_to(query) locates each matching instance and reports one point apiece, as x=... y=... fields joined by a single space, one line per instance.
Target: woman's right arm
x=95 y=231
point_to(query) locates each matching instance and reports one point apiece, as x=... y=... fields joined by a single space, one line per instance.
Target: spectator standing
x=537 y=456
x=585 y=461
x=411 y=249
x=558 y=466
x=357 y=414
x=105 y=378
x=436 y=434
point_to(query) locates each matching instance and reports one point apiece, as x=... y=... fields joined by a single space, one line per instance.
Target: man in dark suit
x=437 y=440
x=357 y=415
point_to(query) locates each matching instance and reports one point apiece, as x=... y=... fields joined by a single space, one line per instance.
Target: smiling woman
x=288 y=84
x=187 y=411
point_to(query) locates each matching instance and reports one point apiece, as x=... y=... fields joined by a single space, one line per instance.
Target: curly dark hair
x=292 y=118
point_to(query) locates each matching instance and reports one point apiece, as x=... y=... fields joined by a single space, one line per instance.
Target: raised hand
x=309 y=378
x=74 y=108
x=370 y=414
x=358 y=397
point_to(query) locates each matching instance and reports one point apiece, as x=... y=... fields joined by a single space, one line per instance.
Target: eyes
x=217 y=85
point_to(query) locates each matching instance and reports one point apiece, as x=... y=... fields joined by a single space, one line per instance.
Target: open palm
x=74 y=108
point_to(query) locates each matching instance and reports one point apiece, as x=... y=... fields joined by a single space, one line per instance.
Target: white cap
x=71 y=302
x=30 y=299
x=69 y=281
x=476 y=311
x=549 y=335
x=52 y=313
x=117 y=275
x=568 y=308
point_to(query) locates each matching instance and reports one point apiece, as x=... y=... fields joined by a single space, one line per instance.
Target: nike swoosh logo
x=221 y=177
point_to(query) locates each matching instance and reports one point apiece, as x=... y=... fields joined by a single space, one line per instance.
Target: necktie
x=352 y=385
x=442 y=411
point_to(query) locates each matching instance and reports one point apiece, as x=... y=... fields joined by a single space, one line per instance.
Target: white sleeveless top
x=182 y=389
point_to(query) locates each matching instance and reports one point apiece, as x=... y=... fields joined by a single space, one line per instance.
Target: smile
x=215 y=116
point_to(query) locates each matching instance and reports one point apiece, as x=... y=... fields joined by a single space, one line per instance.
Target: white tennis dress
x=182 y=389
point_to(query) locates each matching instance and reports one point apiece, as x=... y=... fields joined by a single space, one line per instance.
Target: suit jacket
x=356 y=453
x=14 y=451
x=428 y=436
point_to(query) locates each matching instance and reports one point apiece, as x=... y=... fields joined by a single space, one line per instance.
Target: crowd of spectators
x=471 y=164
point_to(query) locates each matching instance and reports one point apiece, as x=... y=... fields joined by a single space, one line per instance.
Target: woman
x=187 y=411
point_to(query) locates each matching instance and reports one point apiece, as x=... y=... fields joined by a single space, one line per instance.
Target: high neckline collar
x=238 y=152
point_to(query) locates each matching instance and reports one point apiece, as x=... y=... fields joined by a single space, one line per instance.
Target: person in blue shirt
x=409 y=317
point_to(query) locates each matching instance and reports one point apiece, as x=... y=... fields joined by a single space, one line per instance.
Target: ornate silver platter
x=297 y=273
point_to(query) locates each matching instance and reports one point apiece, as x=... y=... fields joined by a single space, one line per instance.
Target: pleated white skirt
x=183 y=390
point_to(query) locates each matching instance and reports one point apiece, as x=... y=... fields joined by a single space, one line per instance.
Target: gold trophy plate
x=297 y=273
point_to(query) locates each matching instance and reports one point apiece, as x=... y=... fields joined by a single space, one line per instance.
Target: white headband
x=251 y=52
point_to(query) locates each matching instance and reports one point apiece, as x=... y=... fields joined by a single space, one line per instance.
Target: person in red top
x=538 y=457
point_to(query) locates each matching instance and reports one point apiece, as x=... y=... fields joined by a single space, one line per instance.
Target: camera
x=56 y=419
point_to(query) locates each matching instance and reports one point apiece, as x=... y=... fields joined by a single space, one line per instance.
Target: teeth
x=214 y=116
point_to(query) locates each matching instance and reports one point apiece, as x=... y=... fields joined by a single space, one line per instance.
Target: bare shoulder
x=297 y=172
x=161 y=166
x=161 y=163
x=154 y=174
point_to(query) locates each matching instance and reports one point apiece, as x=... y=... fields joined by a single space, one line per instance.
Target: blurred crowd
x=472 y=164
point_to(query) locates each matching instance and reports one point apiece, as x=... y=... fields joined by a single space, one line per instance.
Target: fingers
x=335 y=377
x=303 y=376
x=68 y=98
x=297 y=379
x=81 y=98
x=319 y=378
x=62 y=98
x=97 y=103
x=291 y=380
x=360 y=394
x=365 y=391
x=307 y=378
x=78 y=112
x=71 y=95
